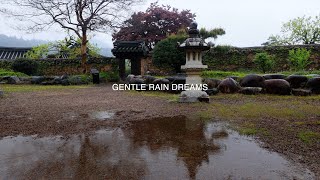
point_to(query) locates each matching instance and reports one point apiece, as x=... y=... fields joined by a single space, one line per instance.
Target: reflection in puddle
x=101 y=115
x=97 y=115
x=167 y=148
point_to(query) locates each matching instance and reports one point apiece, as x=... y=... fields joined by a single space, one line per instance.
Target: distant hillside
x=7 y=41
x=106 y=52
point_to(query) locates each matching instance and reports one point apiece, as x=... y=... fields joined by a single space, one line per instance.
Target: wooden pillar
x=122 y=69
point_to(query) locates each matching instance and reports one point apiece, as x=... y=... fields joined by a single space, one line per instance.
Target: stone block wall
x=233 y=58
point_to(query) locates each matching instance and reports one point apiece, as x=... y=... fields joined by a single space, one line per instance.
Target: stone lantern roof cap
x=194 y=41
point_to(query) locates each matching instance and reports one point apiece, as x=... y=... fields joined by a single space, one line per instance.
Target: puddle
x=167 y=148
x=96 y=115
x=101 y=115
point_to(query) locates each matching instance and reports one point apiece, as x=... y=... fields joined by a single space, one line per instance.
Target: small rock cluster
x=279 y=84
x=45 y=80
x=147 y=79
x=251 y=84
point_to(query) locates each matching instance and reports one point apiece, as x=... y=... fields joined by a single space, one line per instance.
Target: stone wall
x=147 y=65
x=68 y=66
x=233 y=58
x=73 y=66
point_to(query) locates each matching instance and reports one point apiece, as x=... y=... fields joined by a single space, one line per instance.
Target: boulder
x=212 y=83
x=252 y=80
x=314 y=85
x=136 y=80
x=161 y=81
x=129 y=77
x=78 y=80
x=274 y=76
x=297 y=81
x=37 y=79
x=193 y=96
x=229 y=85
x=277 y=86
x=149 y=79
x=181 y=75
x=250 y=90
x=65 y=76
x=204 y=99
x=301 y=92
x=13 y=80
x=5 y=78
x=25 y=80
x=212 y=92
x=177 y=80
x=65 y=82
x=236 y=78
x=57 y=80
x=45 y=83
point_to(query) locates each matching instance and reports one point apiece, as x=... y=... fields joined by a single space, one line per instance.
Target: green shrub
x=27 y=66
x=113 y=77
x=79 y=79
x=5 y=64
x=6 y=72
x=110 y=76
x=222 y=49
x=264 y=62
x=299 y=59
x=167 y=55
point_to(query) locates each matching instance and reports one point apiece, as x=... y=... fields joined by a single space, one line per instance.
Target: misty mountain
x=106 y=52
x=8 y=41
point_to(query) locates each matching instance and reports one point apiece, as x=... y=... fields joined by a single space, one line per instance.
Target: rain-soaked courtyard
x=97 y=133
x=160 y=148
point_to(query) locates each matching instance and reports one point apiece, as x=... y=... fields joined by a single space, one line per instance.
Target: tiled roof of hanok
x=12 y=53
x=124 y=48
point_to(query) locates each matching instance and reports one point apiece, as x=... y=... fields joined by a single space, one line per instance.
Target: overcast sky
x=247 y=22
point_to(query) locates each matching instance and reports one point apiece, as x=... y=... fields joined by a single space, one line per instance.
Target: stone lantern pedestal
x=194 y=46
x=189 y=96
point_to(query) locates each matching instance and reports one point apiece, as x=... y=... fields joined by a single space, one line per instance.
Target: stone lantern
x=194 y=47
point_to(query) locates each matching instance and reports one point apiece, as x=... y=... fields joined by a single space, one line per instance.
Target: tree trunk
x=84 y=52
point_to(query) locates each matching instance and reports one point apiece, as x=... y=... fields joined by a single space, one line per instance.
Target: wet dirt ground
x=99 y=133
x=162 y=148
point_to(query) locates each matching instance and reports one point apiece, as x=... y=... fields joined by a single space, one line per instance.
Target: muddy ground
x=289 y=125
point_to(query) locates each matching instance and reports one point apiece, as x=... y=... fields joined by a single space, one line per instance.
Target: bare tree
x=77 y=16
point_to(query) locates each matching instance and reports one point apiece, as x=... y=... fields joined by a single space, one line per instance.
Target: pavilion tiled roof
x=129 y=47
x=12 y=53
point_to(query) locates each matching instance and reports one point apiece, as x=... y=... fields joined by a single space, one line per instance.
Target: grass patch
x=6 y=72
x=288 y=73
x=309 y=136
x=301 y=123
x=232 y=106
x=248 y=131
x=31 y=88
x=222 y=74
x=241 y=74
x=255 y=110
x=205 y=115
